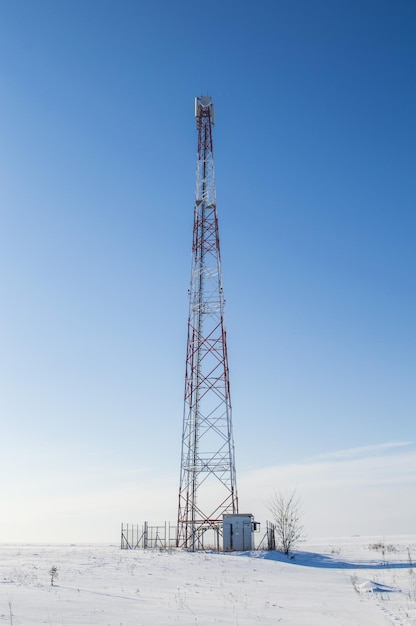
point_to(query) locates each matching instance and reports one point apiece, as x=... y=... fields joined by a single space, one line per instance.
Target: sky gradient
x=314 y=148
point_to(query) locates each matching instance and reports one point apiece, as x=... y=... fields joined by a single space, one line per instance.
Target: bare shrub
x=390 y=547
x=53 y=573
x=286 y=510
x=378 y=547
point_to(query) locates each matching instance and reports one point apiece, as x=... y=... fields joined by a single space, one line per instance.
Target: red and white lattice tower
x=207 y=487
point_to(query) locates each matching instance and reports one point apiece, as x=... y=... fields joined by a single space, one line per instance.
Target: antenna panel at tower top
x=205 y=103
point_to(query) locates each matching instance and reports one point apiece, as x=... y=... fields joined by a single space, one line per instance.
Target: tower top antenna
x=204 y=101
x=204 y=107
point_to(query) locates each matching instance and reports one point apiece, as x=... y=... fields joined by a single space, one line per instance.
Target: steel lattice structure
x=207 y=487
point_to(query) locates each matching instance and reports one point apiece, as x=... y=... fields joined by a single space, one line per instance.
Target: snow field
x=329 y=582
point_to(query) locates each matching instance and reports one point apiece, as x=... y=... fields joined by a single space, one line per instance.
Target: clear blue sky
x=315 y=163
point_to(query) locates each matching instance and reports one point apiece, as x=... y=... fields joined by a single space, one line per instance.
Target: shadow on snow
x=314 y=559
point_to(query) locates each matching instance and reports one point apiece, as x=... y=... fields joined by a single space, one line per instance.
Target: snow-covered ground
x=346 y=581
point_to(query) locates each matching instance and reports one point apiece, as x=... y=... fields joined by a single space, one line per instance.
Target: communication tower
x=207 y=488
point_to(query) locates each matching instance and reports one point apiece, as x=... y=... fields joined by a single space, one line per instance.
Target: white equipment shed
x=238 y=531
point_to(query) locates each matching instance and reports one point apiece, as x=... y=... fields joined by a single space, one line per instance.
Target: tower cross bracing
x=207 y=488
